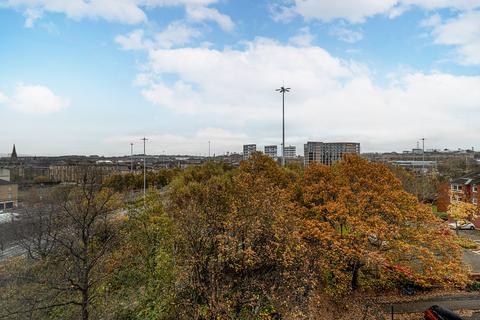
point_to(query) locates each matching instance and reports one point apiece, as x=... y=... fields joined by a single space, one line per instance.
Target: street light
x=423 y=155
x=282 y=90
x=131 y=156
x=144 y=171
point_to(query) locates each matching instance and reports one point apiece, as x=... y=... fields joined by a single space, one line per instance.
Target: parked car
x=462 y=225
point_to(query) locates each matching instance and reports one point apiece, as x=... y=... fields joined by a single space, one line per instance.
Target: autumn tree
x=239 y=244
x=366 y=228
x=460 y=210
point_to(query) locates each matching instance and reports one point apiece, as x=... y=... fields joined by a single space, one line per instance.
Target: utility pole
x=282 y=90
x=144 y=171
x=423 y=155
x=131 y=156
x=208 y=149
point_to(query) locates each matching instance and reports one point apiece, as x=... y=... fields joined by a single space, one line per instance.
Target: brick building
x=467 y=189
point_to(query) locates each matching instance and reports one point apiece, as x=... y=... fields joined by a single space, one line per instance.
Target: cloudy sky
x=91 y=76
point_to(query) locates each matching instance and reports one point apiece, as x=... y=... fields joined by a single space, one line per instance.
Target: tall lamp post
x=423 y=155
x=282 y=90
x=144 y=171
x=131 y=156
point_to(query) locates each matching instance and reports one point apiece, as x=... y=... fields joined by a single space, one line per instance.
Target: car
x=462 y=225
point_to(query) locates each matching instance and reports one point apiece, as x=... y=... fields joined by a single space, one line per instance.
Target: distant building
x=248 y=149
x=8 y=195
x=290 y=152
x=328 y=153
x=5 y=174
x=417 y=166
x=271 y=151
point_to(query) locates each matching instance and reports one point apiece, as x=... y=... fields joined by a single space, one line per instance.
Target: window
x=474 y=200
x=475 y=188
x=456 y=187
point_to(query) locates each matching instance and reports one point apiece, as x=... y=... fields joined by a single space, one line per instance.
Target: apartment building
x=248 y=149
x=271 y=151
x=328 y=153
x=290 y=152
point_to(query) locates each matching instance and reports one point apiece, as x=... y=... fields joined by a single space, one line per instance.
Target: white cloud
x=303 y=39
x=331 y=99
x=175 y=34
x=201 y=13
x=132 y=41
x=3 y=97
x=462 y=32
x=432 y=21
x=31 y=15
x=36 y=99
x=122 y=11
x=343 y=33
x=357 y=11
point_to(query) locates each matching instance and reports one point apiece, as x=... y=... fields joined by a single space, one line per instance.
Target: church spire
x=13 y=157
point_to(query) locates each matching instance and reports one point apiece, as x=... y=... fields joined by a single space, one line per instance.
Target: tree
x=366 y=229
x=238 y=244
x=424 y=186
x=142 y=282
x=70 y=271
x=460 y=210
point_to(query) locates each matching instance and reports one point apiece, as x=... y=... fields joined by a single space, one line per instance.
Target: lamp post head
x=283 y=90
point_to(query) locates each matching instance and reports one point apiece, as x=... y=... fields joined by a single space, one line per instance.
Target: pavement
x=453 y=302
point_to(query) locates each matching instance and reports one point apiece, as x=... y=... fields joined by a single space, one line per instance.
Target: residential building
x=248 y=149
x=8 y=195
x=466 y=189
x=5 y=174
x=271 y=151
x=328 y=153
x=290 y=152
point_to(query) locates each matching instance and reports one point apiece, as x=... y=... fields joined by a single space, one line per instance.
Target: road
x=472 y=257
x=11 y=250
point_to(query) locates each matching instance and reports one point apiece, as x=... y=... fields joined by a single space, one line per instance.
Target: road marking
x=476 y=251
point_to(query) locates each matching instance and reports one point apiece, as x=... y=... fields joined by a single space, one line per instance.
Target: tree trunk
x=85 y=304
x=355 y=276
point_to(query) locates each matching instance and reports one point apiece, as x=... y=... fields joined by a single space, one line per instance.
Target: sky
x=92 y=76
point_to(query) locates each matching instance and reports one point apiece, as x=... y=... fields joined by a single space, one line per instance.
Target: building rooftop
x=5 y=183
x=469 y=179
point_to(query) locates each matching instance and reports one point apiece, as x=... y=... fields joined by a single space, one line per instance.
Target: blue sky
x=89 y=77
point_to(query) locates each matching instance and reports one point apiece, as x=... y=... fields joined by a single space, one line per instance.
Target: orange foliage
x=359 y=219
